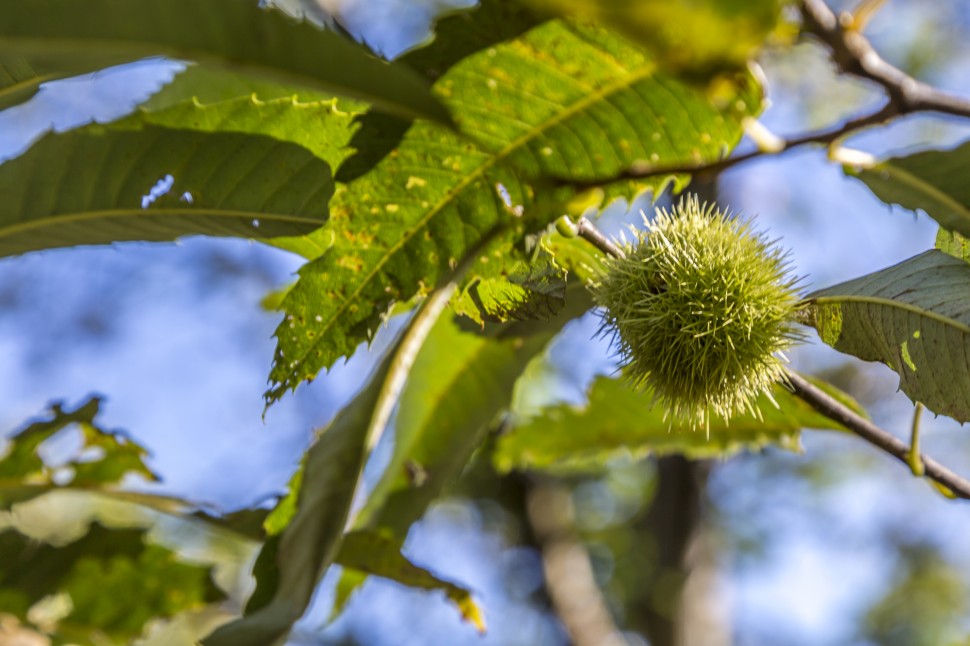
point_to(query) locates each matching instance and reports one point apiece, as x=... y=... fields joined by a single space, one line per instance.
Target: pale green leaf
x=696 y=35
x=462 y=380
x=575 y=255
x=115 y=580
x=233 y=34
x=932 y=181
x=208 y=85
x=915 y=318
x=380 y=555
x=564 y=100
x=953 y=243
x=112 y=565
x=94 y=186
x=530 y=290
x=308 y=525
x=620 y=422
x=300 y=554
x=103 y=458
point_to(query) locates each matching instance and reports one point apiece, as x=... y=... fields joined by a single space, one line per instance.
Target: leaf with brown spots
x=561 y=100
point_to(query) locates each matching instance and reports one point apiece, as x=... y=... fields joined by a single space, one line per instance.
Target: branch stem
x=835 y=410
x=588 y=231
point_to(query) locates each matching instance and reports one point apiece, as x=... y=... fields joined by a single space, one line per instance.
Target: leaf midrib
x=83 y=216
x=901 y=305
x=639 y=74
x=11 y=90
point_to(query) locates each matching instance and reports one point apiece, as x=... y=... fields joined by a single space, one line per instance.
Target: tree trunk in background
x=675 y=605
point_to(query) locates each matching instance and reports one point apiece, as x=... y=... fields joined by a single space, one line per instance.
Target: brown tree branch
x=853 y=54
x=835 y=410
x=588 y=231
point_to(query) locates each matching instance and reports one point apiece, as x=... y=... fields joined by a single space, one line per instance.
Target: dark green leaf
x=933 y=181
x=233 y=34
x=20 y=79
x=618 y=422
x=544 y=104
x=915 y=318
x=95 y=186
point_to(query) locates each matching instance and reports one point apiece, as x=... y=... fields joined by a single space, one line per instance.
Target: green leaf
x=100 y=573
x=310 y=521
x=915 y=318
x=309 y=543
x=212 y=100
x=460 y=383
x=233 y=34
x=575 y=255
x=104 y=458
x=83 y=568
x=619 y=422
x=534 y=290
x=952 y=243
x=933 y=181
x=208 y=85
x=380 y=555
x=461 y=33
x=697 y=35
x=348 y=584
x=20 y=80
x=94 y=186
x=544 y=104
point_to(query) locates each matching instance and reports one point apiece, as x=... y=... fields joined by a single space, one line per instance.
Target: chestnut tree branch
x=853 y=54
x=588 y=231
x=830 y=407
x=835 y=410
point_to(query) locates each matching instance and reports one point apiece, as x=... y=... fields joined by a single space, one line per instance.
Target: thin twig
x=827 y=136
x=835 y=410
x=853 y=54
x=588 y=231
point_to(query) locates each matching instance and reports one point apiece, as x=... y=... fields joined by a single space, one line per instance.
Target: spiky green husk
x=700 y=311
